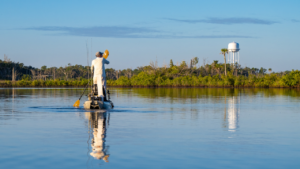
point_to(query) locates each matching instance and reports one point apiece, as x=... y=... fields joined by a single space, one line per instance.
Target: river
x=151 y=128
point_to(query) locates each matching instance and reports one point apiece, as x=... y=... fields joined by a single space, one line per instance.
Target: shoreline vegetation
x=180 y=75
x=291 y=80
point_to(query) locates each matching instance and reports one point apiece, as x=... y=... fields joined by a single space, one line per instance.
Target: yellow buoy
x=106 y=53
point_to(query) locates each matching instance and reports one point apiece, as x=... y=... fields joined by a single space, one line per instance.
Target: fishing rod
x=77 y=103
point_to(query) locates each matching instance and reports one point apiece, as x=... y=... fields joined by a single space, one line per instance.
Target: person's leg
x=95 y=79
x=99 y=84
x=104 y=86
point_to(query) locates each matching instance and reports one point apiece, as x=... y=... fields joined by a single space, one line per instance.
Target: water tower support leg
x=238 y=57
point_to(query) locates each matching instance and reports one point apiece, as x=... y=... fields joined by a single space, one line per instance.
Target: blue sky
x=55 y=33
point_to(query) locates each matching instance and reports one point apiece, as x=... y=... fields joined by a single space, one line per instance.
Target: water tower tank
x=233 y=47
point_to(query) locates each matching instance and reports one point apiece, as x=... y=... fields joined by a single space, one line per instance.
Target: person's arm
x=105 y=61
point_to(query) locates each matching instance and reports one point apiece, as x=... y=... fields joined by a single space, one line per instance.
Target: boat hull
x=96 y=104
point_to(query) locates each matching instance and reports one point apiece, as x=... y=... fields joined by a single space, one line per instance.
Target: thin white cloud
x=98 y=31
x=122 y=32
x=226 y=21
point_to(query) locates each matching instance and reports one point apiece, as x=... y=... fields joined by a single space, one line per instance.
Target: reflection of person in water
x=98 y=121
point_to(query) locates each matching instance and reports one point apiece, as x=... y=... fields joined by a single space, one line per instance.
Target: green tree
x=171 y=63
x=183 y=64
x=224 y=51
x=43 y=68
x=195 y=61
x=26 y=77
x=262 y=70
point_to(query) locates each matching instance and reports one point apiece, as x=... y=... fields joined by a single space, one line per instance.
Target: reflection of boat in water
x=99 y=122
x=94 y=102
x=233 y=113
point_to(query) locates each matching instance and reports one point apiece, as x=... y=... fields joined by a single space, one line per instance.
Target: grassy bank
x=143 y=79
x=264 y=81
x=45 y=83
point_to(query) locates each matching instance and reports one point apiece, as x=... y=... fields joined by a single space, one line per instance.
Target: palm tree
x=224 y=51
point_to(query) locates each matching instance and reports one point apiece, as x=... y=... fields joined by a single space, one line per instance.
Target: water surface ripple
x=151 y=128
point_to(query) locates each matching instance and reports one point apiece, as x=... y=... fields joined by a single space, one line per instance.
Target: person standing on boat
x=98 y=69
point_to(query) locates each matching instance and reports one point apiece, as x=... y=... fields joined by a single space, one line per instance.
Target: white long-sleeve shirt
x=98 y=64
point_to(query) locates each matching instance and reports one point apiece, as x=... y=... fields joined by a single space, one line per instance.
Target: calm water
x=151 y=128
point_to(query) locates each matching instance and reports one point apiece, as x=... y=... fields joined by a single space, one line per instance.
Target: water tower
x=233 y=53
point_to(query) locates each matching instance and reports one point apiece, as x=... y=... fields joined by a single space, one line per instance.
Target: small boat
x=94 y=102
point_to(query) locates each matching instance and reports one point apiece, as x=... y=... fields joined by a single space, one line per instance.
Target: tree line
x=207 y=75
x=213 y=74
